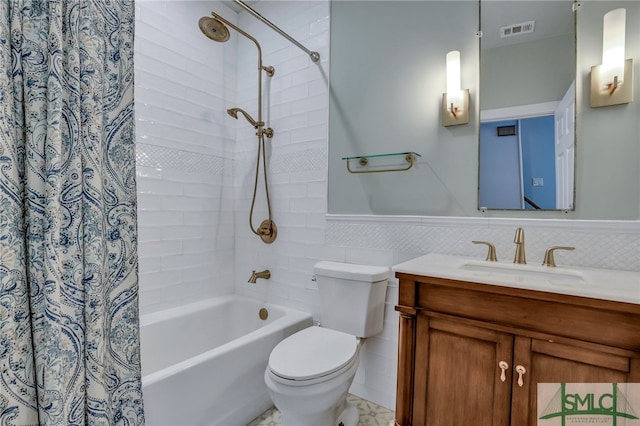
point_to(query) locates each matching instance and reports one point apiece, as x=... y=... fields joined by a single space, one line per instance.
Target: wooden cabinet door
x=458 y=378
x=551 y=362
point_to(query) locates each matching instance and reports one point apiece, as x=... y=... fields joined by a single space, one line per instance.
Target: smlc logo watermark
x=615 y=404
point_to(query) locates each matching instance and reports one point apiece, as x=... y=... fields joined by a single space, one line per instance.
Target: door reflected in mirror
x=527 y=105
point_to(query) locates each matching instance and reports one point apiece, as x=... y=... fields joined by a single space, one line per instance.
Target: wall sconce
x=455 y=102
x=612 y=81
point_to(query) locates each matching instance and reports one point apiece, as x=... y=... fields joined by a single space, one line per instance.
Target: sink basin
x=559 y=276
x=623 y=286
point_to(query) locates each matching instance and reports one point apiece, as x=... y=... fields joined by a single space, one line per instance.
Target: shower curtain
x=69 y=332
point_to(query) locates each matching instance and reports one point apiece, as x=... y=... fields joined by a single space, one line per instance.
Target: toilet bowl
x=309 y=375
x=310 y=372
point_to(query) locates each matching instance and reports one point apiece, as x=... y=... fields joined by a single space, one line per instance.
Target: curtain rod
x=315 y=56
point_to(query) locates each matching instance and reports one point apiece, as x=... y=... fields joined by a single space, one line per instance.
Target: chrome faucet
x=519 y=240
x=266 y=274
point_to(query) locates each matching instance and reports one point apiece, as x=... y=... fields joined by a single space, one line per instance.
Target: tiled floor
x=370 y=414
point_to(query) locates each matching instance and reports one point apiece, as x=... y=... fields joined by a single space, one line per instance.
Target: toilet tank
x=352 y=296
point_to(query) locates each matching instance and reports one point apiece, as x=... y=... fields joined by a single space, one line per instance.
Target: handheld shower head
x=213 y=28
x=233 y=112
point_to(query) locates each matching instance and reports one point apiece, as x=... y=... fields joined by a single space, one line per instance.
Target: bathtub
x=204 y=363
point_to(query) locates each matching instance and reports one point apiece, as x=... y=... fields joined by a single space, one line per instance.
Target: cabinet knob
x=503 y=366
x=521 y=371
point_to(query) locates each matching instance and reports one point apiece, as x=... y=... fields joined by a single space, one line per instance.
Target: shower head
x=233 y=112
x=213 y=28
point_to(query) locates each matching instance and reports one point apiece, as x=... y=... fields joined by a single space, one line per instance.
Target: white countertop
x=607 y=284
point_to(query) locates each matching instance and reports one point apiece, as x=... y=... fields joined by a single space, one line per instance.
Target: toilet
x=310 y=372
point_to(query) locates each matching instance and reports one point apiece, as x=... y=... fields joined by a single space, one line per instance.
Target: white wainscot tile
x=370 y=256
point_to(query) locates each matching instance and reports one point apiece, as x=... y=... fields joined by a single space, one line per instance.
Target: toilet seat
x=312 y=355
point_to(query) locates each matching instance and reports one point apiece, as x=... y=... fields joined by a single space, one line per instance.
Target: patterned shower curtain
x=69 y=332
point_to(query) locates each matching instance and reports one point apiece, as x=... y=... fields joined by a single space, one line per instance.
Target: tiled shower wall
x=296 y=106
x=196 y=168
x=185 y=141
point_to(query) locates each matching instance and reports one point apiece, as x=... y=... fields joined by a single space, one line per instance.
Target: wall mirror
x=386 y=99
x=527 y=105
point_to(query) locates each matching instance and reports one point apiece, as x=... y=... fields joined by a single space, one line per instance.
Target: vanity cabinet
x=473 y=354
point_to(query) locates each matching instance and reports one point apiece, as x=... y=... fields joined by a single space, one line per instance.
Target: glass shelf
x=363 y=161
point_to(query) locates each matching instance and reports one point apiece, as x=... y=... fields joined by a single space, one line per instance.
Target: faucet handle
x=548 y=255
x=491 y=252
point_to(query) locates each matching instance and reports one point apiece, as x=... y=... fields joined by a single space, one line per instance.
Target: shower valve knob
x=267 y=231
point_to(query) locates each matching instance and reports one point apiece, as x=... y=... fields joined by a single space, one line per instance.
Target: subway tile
x=309 y=205
x=148 y=201
x=307 y=235
x=316 y=189
x=148 y=232
x=159 y=187
x=326 y=252
x=290 y=190
x=187 y=232
x=161 y=279
x=319 y=26
x=149 y=264
x=292 y=219
x=158 y=249
x=198 y=246
x=310 y=133
x=310 y=176
x=160 y=218
x=143 y=173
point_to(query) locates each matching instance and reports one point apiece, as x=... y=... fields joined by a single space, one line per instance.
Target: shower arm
x=269 y=70
x=315 y=56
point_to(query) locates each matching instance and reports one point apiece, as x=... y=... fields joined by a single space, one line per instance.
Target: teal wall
x=527 y=73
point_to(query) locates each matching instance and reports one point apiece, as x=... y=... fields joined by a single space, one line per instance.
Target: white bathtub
x=204 y=363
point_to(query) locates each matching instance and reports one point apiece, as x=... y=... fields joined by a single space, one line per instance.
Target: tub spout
x=266 y=274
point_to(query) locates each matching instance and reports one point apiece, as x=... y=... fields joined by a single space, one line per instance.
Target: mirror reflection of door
x=528 y=163
x=518 y=168
x=565 y=139
x=501 y=169
x=527 y=81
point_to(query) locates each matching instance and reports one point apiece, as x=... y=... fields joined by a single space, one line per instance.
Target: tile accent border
x=160 y=157
x=599 y=243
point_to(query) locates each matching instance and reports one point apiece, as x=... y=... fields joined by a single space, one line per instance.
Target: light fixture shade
x=455 y=101
x=607 y=79
x=613 y=40
x=453 y=71
x=454 y=94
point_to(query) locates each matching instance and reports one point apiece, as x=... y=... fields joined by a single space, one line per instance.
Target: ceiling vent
x=515 y=29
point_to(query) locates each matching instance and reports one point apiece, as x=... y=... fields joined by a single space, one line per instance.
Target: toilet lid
x=312 y=352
